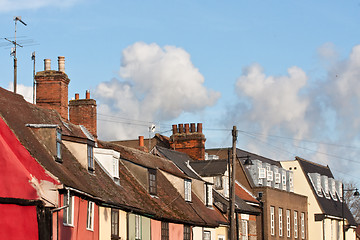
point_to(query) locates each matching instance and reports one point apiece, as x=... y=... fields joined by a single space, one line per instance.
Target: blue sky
x=284 y=72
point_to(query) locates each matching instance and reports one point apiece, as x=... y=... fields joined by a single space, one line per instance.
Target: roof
x=16 y=113
x=180 y=159
x=209 y=168
x=329 y=206
x=243 y=194
x=157 y=140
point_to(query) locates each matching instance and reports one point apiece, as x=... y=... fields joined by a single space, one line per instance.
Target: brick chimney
x=83 y=112
x=52 y=88
x=189 y=140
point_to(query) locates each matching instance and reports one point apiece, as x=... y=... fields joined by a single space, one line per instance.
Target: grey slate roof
x=180 y=159
x=209 y=168
x=329 y=206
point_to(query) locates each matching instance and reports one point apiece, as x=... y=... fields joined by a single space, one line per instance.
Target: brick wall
x=187 y=139
x=83 y=112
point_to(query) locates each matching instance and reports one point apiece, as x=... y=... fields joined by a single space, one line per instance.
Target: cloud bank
x=292 y=106
x=157 y=83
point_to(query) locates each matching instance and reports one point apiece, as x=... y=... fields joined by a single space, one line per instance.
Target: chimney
x=83 y=112
x=61 y=64
x=52 y=88
x=141 y=141
x=190 y=141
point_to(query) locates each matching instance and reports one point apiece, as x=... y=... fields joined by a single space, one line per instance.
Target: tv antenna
x=13 y=50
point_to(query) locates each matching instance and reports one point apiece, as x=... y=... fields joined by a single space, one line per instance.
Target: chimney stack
x=189 y=141
x=52 y=88
x=83 y=112
x=61 y=64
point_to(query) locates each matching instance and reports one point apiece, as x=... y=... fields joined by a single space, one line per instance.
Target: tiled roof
x=180 y=159
x=243 y=194
x=129 y=195
x=209 y=168
x=329 y=206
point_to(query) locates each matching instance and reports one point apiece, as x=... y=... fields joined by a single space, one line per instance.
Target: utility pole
x=33 y=58
x=232 y=189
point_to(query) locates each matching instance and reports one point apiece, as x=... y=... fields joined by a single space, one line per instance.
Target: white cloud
x=274 y=101
x=158 y=84
x=25 y=91
x=16 y=5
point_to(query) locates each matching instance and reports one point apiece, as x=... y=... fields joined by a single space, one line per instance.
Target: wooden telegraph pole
x=232 y=188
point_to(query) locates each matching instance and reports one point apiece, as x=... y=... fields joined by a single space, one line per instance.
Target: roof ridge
x=313 y=163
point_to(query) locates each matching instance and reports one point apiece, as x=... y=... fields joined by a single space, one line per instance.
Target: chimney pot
x=76 y=96
x=199 y=127
x=192 y=127
x=141 y=141
x=61 y=63
x=186 y=128
x=47 y=64
x=181 y=128
x=174 y=129
x=87 y=94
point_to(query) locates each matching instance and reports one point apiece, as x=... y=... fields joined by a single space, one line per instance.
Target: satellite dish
x=152 y=128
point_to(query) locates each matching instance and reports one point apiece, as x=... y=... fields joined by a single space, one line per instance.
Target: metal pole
x=33 y=58
x=342 y=210
x=233 y=170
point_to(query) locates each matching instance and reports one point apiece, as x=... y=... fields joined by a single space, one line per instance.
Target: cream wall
x=221 y=231
x=79 y=150
x=198 y=233
x=177 y=182
x=105 y=224
x=301 y=186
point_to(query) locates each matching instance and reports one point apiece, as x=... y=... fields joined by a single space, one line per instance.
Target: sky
x=285 y=72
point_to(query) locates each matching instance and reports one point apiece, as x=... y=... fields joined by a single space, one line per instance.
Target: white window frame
x=206 y=235
x=302 y=225
x=137 y=227
x=90 y=157
x=295 y=224
x=272 y=221
x=262 y=173
x=69 y=219
x=244 y=229
x=208 y=197
x=283 y=181
x=269 y=175
x=90 y=216
x=280 y=222
x=277 y=178
x=187 y=188
x=288 y=223
x=58 y=145
x=218 y=182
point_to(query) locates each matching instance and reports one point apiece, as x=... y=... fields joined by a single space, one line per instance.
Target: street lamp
x=356 y=194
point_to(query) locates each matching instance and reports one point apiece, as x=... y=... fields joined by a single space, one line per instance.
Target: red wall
x=18 y=222
x=78 y=230
x=155 y=229
x=176 y=231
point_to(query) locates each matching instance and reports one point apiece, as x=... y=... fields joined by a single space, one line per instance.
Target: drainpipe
x=65 y=206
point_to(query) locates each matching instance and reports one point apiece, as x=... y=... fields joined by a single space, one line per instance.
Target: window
x=280 y=222
x=187 y=232
x=207 y=235
x=270 y=175
x=218 y=182
x=115 y=224
x=164 y=231
x=209 y=199
x=90 y=216
x=262 y=173
x=295 y=224
x=90 y=155
x=283 y=181
x=221 y=237
x=277 y=178
x=272 y=221
x=244 y=229
x=288 y=227
x=302 y=225
x=58 y=145
x=152 y=181
x=137 y=227
x=68 y=212
x=187 y=190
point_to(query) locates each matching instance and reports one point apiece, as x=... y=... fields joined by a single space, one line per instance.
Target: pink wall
x=18 y=222
x=176 y=231
x=155 y=229
x=78 y=231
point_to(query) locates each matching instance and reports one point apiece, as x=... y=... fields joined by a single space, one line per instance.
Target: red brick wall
x=83 y=112
x=189 y=141
x=52 y=91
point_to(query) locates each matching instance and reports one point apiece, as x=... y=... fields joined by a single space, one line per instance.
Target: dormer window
x=208 y=197
x=90 y=157
x=187 y=190
x=58 y=145
x=152 y=181
x=218 y=182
